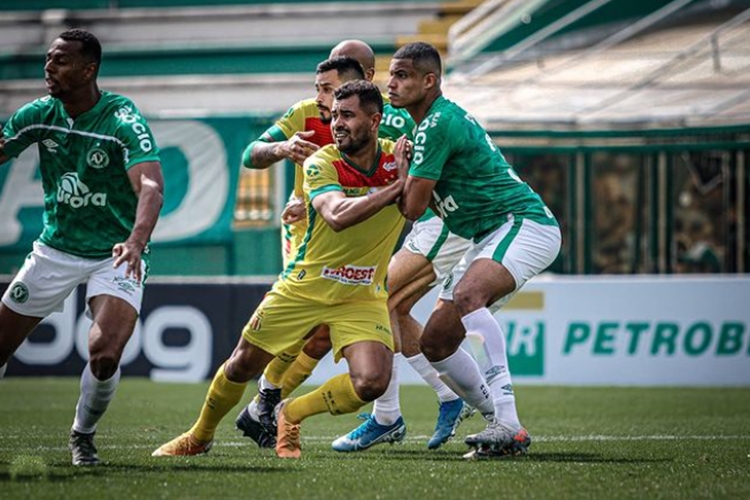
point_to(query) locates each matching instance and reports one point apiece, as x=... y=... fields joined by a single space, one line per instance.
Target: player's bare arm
x=341 y=212
x=297 y=148
x=148 y=184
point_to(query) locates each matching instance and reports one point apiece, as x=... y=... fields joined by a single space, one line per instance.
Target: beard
x=353 y=144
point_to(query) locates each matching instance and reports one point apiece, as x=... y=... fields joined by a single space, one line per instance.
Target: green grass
x=589 y=443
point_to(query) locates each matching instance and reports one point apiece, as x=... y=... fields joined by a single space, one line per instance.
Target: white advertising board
x=633 y=330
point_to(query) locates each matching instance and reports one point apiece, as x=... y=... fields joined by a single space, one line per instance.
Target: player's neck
x=365 y=157
x=81 y=101
x=419 y=110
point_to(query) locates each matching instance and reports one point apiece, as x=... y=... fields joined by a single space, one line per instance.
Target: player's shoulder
x=388 y=146
x=118 y=106
x=305 y=107
x=37 y=107
x=326 y=154
x=442 y=118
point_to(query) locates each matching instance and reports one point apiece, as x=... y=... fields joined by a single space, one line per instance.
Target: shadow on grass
x=65 y=472
x=573 y=457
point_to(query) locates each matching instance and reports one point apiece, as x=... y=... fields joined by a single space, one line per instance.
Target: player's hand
x=294 y=211
x=403 y=153
x=130 y=252
x=297 y=148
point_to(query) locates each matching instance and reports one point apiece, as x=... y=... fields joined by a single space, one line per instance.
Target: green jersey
x=477 y=189
x=89 y=203
x=395 y=123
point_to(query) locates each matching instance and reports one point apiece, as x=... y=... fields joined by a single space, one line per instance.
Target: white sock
x=422 y=366
x=95 y=397
x=387 y=407
x=264 y=384
x=253 y=409
x=488 y=343
x=461 y=373
x=2 y=370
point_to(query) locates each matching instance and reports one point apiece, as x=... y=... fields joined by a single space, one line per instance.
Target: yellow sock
x=337 y=396
x=297 y=373
x=278 y=366
x=222 y=396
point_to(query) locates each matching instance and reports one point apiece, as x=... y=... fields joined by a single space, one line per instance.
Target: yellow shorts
x=281 y=321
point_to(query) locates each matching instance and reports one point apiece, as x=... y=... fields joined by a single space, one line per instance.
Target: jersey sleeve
x=18 y=132
x=135 y=134
x=283 y=129
x=320 y=176
x=433 y=143
x=292 y=122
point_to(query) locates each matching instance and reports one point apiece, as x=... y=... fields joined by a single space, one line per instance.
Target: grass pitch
x=588 y=443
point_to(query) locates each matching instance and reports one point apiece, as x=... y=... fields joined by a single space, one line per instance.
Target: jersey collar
x=361 y=170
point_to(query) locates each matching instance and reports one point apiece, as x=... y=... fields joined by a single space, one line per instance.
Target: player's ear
x=89 y=71
x=430 y=80
x=376 y=118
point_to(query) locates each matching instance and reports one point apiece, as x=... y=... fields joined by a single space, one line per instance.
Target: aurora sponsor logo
x=72 y=191
x=350 y=275
x=445 y=205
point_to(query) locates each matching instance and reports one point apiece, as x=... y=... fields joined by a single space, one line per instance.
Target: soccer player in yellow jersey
x=303 y=129
x=425 y=259
x=336 y=278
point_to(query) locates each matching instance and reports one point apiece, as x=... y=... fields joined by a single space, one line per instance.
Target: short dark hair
x=369 y=94
x=91 y=49
x=423 y=56
x=347 y=68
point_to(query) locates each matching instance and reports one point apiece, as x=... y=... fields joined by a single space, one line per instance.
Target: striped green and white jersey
x=89 y=203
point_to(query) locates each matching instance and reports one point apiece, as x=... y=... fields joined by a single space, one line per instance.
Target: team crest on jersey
x=97 y=158
x=256 y=322
x=312 y=170
x=19 y=293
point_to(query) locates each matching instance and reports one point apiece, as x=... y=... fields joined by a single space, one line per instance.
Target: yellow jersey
x=350 y=265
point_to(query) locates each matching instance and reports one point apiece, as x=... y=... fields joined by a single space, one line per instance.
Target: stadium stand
x=631 y=118
x=237 y=58
x=639 y=109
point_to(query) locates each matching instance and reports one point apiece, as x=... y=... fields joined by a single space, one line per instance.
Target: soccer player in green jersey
x=425 y=260
x=457 y=169
x=103 y=188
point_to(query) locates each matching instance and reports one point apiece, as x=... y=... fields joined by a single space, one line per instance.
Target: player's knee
x=467 y=302
x=104 y=364
x=430 y=348
x=370 y=387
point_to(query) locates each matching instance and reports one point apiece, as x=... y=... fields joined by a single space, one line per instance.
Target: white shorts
x=432 y=239
x=48 y=276
x=524 y=247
